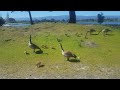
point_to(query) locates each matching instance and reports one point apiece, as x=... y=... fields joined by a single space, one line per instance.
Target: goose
x=33 y=46
x=59 y=40
x=67 y=35
x=26 y=52
x=105 y=31
x=67 y=54
x=90 y=31
x=78 y=35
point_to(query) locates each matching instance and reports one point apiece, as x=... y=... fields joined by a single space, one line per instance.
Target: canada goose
x=80 y=43
x=105 y=31
x=52 y=47
x=78 y=35
x=26 y=52
x=67 y=54
x=59 y=40
x=44 y=46
x=90 y=31
x=39 y=65
x=8 y=40
x=67 y=35
x=33 y=46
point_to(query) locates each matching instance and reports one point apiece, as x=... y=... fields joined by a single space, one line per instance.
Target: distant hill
x=65 y=17
x=48 y=17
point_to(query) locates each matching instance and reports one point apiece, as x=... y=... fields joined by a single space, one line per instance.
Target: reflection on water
x=16 y=24
x=104 y=23
x=83 y=23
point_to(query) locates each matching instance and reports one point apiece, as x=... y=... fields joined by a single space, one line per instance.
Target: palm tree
x=72 y=16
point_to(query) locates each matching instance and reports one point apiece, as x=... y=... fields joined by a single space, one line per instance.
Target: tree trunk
x=72 y=16
x=31 y=21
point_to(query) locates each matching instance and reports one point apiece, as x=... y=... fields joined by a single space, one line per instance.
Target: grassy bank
x=101 y=60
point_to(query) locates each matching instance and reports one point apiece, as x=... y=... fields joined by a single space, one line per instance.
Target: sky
x=18 y=14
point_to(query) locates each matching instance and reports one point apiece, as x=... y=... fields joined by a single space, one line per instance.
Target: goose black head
x=61 y=46
x=30 y=39
x=59 y=40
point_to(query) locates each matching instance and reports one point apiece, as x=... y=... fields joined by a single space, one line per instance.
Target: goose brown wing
x=35 y=46
x=68 y=54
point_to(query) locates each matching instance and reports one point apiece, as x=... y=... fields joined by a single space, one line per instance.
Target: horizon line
x=65 y=15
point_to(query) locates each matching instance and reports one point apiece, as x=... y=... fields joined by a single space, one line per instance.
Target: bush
x=2 y=21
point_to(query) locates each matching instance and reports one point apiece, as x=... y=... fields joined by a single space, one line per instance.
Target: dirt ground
x=56 y=72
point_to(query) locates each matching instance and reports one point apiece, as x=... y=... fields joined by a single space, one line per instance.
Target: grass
x=102 y=61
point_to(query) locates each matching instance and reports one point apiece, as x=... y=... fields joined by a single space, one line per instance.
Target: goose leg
x=67 y=58
x=33 y=50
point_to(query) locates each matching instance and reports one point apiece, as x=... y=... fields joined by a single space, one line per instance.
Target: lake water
x=16 y=24
x=83 y=23
x=95 y=23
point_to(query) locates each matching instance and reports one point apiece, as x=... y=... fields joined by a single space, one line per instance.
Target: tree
x=72 y=16
x=63 y=20
x=100 y=18
x=12 y=20
x=2 y=21
x=31 y=21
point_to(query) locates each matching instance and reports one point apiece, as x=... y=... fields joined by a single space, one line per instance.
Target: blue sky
x=19 y=14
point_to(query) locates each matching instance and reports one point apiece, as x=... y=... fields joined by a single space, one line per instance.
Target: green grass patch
x=14 y=41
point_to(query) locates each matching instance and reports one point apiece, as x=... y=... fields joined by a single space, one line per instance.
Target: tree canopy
x=2 y=21
x=100 y=18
